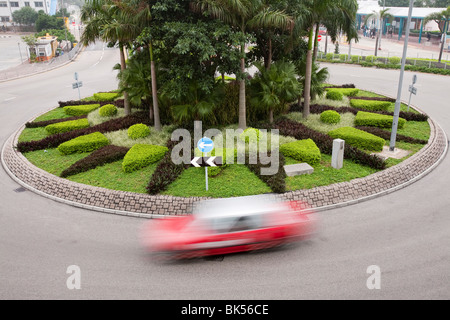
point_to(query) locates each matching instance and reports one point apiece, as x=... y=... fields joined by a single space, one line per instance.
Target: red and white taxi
x=223 y=226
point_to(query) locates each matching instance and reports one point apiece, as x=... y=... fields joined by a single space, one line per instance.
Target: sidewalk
x=390 y=47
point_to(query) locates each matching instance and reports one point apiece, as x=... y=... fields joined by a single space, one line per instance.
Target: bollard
x=337 y=156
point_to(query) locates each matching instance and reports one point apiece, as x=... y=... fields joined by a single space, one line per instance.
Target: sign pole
x=206 y=176
x=400 y=84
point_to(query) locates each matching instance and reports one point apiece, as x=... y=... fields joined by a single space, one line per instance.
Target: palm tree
x=138 y=13
x=379 y=16
x=275 y=87
x=341 y=14
x=243 y=15
x=105 y=20
x=442 y=19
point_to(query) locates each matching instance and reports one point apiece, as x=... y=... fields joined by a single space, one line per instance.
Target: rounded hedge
x=330 y=116
x=108 y=110
x=334 y=95
x=139 y=130
x=250 y=134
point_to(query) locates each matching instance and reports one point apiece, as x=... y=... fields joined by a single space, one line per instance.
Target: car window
x=235 y=224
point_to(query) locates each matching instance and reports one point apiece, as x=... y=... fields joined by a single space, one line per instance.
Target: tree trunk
x=316 y=42
x=123 y=66
x=154 y=91
x=269 y=59
x=242 y=107
x=308 y=72
x=271 y=115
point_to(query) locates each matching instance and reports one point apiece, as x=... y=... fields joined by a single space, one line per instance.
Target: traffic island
x=149 y=206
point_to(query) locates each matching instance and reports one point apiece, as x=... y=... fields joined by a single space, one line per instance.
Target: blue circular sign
x=205 y=145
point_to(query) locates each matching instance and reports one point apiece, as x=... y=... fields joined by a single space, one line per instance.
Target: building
x=7 y=7
x=398 y=25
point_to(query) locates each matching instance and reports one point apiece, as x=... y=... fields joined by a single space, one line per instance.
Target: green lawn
x=52 y=160
x=30 y=134
x=324 y=174
x=234 y=181
x=57 y=113
x=111 y=176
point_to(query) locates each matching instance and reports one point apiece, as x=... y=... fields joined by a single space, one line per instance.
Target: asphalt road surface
x=406 y=234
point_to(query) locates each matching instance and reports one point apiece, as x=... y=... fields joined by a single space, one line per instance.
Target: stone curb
x=158 y=206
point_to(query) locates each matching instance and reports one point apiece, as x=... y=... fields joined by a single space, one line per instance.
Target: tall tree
x=443 y=20
x=321 y=11
x=379 y=16
x=244 y=15
x=104 y=19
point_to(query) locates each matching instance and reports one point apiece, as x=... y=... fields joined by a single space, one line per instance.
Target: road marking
x=101 y=57
x=9 y=99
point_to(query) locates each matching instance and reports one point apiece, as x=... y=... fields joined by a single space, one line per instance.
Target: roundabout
x=150 y=206
x=404 y=232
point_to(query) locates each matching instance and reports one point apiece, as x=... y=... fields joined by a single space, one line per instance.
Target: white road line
x=101 y=57
x=9 y=99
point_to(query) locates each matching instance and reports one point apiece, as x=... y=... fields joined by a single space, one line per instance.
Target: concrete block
x=298 y=169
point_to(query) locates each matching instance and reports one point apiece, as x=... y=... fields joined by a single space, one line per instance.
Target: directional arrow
x=202 y=145
x=195 y=162
x=210 y=161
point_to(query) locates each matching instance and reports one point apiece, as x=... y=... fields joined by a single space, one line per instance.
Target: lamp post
x=400 y=83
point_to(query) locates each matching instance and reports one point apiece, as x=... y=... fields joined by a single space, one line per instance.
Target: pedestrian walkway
x=390 y=47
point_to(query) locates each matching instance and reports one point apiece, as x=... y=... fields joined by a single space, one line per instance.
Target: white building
x=7 y=7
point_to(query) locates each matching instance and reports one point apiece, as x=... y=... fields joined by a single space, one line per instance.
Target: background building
x=7 y=7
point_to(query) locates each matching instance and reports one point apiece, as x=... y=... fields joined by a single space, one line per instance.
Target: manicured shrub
x=329 y=56
x=302 y=150
x=330 y=116
x=325 y=143
x=81 y=109
x=106 y=96
x=349 y=92
x=387 y=135
x=87 y=143
x=166 y=172
x=373 y=98
x=334 y=95
x=108 y=110
x=376 y=120
x=370 y=105
x=371 y=59
x=358 y=138
x=139 y=130
x=142 y=155
x=67 y=126
x=55 y=140
x=97 y=158
x=39 y=124
x=250 y=134
x=355 y=59
x=394 y=60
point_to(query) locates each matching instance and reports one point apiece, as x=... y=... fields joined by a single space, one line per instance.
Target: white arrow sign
x=194 y=162
x=202 y=145
x=210 y=161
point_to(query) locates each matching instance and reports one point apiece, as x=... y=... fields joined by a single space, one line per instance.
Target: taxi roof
x=239 y=206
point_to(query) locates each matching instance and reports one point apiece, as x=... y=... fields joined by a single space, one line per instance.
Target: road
x=406 y=233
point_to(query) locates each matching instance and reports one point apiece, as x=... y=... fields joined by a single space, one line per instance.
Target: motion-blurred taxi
x=224 y=226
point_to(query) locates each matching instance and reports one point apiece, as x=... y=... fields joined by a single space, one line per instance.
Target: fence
x=27 y=68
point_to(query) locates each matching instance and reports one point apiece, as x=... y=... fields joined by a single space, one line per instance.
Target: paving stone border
x=150 y=206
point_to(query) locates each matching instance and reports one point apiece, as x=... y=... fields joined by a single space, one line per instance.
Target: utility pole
x=400 y=83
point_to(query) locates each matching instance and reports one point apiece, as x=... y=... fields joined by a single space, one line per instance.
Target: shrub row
x=370 y=105
x=67 y=126
x=80 y=110
x=106 y=96
x=373 y=98
x=142 y=155
x=108 y=110
x=55 y=140
x=39 y=124
x=302 y=150
x=349 y=92
x=276 y=182
x=334 y=95
x=97 y=158
x=358 y=138
x=344 y=86
x=318 y=109
x=325 y=143
x=87 y=143
x=387 y=135
x=376 y=120
x=118 y=103
x=166 y=172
